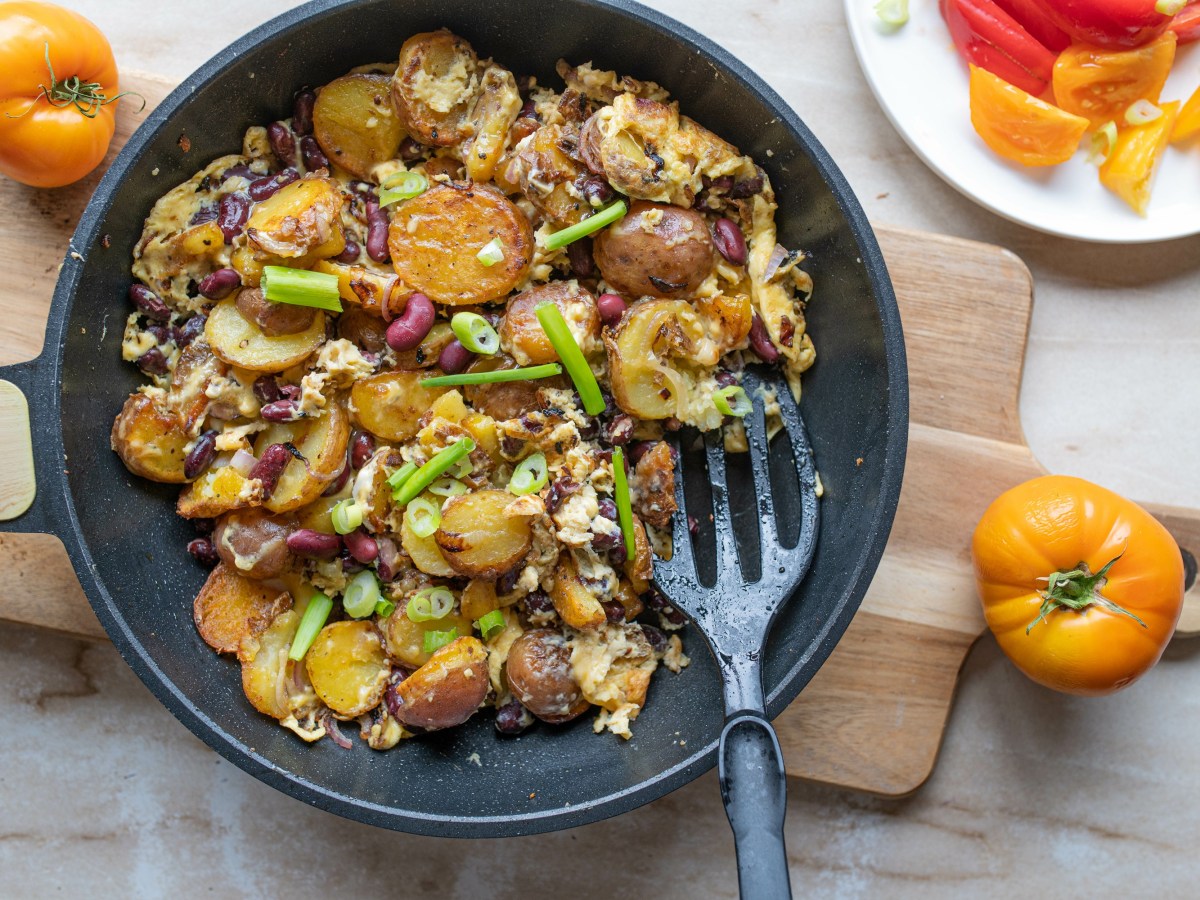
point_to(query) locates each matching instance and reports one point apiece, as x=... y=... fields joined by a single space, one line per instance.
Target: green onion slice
x=299 y=287
x=475 y=333
x=429 y=604
x=732 y=401
x=361 y=595
x=311 y=624
x=447 y=487
x=624 y=504
x=590 y=225
x=563 y=341
x=384 y=608
x=402 y=186
x=1142 y=112
x=347 y=515
x=530 y=475
x=423 y=516
x=1103 y=142
x=432 y=470
x=892 y=12
x=490 y=624
x=1170 y=7
x=396 y=479
x=529 y=373
x=491 y=253
x=436 y=639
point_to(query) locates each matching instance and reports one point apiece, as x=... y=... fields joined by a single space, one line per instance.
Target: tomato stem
x=86 y=96
x=1077 y=590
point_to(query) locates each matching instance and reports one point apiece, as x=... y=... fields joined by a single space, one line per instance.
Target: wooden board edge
x=18 y=484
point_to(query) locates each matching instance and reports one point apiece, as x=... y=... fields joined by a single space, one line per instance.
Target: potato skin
x=230 y=606
x=390 y=404
x=506 y=399
x=521 y=331
x=254 y=544
x=577 y=605
x=448 y=689
x=477 y=539
x=240 y=342
x=273 y=319
x=654 y=482
x=435 y=59
x=150 y=440
x=656 y=250
x=539 y=674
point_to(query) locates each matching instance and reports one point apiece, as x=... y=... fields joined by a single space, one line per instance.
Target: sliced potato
x=231 y=606
x=435 y=86
x=194 y=370
x=150 y=439
x=506 y=399
x=477 y=537
x=522 y=334
x=347 y=667
x=355 y=124
x=493 y=115
x=390 y=404
x=296 y=226
x=240 y=342
x=322 y=441
x=425 y=553
x=217 y=492
x=629 y=599
x=446 y=690
x=435 y=238
x=577 y=606
x=406 y=638
x=654 y=485
x=639 y=568
x=478 y=599
x=426 y=354
x=254 y=544
x=267 y=673
x=545 y=174
x=366 y=287
x=539 y=673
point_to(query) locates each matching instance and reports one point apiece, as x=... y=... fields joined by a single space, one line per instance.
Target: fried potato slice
x=322 y=441
x=478 y=538
x=406 y=638
x=447 y=689
x=390 y=404
x=240 y=342
x=577 y=606
x=150 y=439
x=229 y=607
x=347 y=667
x=355 y=124
x=436 y=83
x=216 y=492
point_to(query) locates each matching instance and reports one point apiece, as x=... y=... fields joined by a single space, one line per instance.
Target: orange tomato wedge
x=1020 y=127
x=1187 y=126
x=1101 y=84
x=1129 y=170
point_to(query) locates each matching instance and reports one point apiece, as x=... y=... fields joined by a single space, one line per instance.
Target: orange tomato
x=1187 y=126
x=1101 y=84
x=1019 y=126
x=58 y=91
x=1081 y=587
x=1129 y=170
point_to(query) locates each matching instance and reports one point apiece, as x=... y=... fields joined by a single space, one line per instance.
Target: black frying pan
x=127 y=545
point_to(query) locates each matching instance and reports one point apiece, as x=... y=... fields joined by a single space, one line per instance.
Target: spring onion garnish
x=361 y=595
x=563 y=341
x=432 y=470
x=423 y=516
x=590 y=225
x=893 y=13
x=530 y=475
x=490 y=624
x=384 y=608
x=1170 y=7
x=311 y=623
x=624 y=505
x=429 y=604
x=402 y=186
x=1142 y=112
x=528 y=373
x=463 y=467
x=299 y=287
x=447 y=487
x=436 y=639
x=732 y=401
x=346 y=516
x=491 y=253
x=396 y=479
x=475 y=333
x=1103 y=142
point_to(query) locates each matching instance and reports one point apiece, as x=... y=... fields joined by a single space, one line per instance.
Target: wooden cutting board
x=873 y=717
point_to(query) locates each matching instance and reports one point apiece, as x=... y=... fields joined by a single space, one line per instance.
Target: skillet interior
x=128 y=543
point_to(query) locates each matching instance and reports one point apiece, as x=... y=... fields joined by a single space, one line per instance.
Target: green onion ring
x=475 y=333
x=361 y=595
x=423 y=516
x=530 y=475
x=732 y=401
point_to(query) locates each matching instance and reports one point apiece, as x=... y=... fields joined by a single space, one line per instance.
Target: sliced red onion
x=778 y=255
x=243 y=463
x=335 y=733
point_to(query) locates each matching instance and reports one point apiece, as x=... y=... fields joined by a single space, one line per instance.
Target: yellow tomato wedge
x=1129 y=170
x=1019 y=126
x=1187 y=126
x=1101 y=84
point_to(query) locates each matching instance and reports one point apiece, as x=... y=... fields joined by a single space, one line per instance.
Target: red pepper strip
x=1186 y=24
x=1034 y=17
x=992 y=39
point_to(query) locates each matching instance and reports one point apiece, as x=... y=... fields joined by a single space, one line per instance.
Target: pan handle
x=25 y=420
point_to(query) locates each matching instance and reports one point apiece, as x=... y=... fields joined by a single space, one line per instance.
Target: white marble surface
x=104 y=794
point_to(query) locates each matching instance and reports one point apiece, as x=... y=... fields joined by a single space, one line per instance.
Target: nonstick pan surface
x=127 y=544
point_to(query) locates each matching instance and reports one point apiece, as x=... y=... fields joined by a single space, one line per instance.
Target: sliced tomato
x=1101 y=84
x=1187 y=126
x=1019 y=126
x=1129 y=170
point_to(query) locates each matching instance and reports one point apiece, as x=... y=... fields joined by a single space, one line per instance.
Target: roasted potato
x=539 y=675
x=406 y=638
x=347 y=667
x=543 y=171
x=656 y=250
x=390 y=404
x=478 y=538
x=577 y=605
x=274 y=319
x=639 y=568
x=521 y=333
x=253 y=543
x=150 y=439
x=478 y=599
x=217 y=492
x=241 y=342
x=426 y=354
x=506 y=399
x=366 y=331
x=435 y=86
x=446 y=690
x=492 y=116
x=613 y=666
x=364 y=287
x=296 y=226
x=230 y=606
x=629 y=599
x=654 y=485
x=267 y=673
x=425 y=552
x=322 y=441
x=355 y=124
x=435 y=238
x=195 y=369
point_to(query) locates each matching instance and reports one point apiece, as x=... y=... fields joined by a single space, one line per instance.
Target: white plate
x=921 y=83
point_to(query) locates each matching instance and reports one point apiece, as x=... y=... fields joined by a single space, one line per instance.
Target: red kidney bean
x=201 y=455
x=613 y=611
x=760 y=341
x=203 y=552
x=283 y=143
x=721 y=184
x=192 y=329
x=618 y=554
x=302 y=111
x=410 y=150
x=361 y=546
x=153 y=362
x=608 y=508
x=560 y=489
x=362 y=448
x=640 y=449
x=620 y=430
x=338 y=482
x=262 y=188
x=730 y=241
x=241 y=170
x=377 y=232
x=611 y=307
x=220 y=284
x=350 y=254
x=538 y=602
x=266 y=389
x=270 y=467
x=580 y=255
x=725 y=379
x=290 y=392
x=232 y=214
x=281 y=411
x=513 y=718
x=605 y=541
x=163 y=334
x=316 y=544
x=596 y=190
x=389 y=563
x=454 y=357
x=314 y=157
x=149 y=303
x=655 y=638
x=206 y=213
x=411 y=326
x=748 y=188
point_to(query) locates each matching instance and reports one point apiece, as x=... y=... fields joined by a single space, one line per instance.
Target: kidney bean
x=201 y=455
x=377 y=232
x=454 y=357
x=620 y=430
x=580 y=255
x=362 y=448
x=389 y=563
x=611 y=307
x=748 y=188
x=513 y=718
x=203 y=552
x=262 y=188
x=721 y=184
x=410 y=150
x=725 y=379
x=760 y=341
x=361 y=546
x=655 y=637
x=232 y=214
x=192 y=329
x=613 y=611
x=350 y=565
x=302 y=111
x=655 y=600
x=316 y=544
x=206 y=213
x=266 y=389
x=281 y=411
x=270 y=467
x=314 y=157
x=560 y=489
x=350 y=253
x=162 y=333
x=149 y=303
x=618 y=554
x=220 y=284
x=290 y=392
x=605 y=541
x=596 y=190
x=152 y=362
x=338 y=482
x=730 y=241
x=241 y=170
x=283 y=143
x=411 y=326
x=608 y=508
x=538 y=603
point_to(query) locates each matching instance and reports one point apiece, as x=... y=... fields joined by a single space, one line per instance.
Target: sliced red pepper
x=1033 y=16
x=1186 y=24
x=992 y=39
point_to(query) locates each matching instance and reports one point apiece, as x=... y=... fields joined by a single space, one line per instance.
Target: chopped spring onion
x=590 y=225
x=1142 y=112
x=491 y=253
x=732 y=401
x=447 y=487
x=423 y=516
x=1103 y=142
x=528 y=373
x=436 y=639
x=530 y=475
x=346 y=516
x=361 y=595
x=463 y=467
x=429 y=604
x=299 y=287
x=1170 y=7
x=624 y=504
x=893 y=13
x=563 y=341
x=311 y=623
x=402 y=186
x=432 y=470
x=490 y=624
x=475 y=333
x=396 y=479
x=384 y=608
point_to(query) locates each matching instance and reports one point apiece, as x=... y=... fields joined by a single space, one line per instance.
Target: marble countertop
x=104 y=794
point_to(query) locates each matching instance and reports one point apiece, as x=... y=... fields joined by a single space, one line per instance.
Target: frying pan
x=127 y=544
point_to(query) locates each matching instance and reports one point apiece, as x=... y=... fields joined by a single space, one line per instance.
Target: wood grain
x=17 y=483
